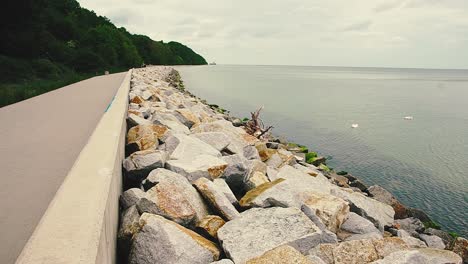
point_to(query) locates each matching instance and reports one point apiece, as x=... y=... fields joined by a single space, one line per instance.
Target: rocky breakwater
x=199 y=188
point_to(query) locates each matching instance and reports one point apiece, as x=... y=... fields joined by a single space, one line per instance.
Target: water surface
x=424 y=161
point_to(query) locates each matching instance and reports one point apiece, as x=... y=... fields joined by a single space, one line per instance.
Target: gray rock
x=256 y=174
x=163 y=241
x=223 y=261
x=129 y=225
x=140 y=163
x=378 y=213
x=173 y=197
x=134 y=120
x=411 y=225
x=315 y=259
x=421 y=256
x=181 y=146
x=217 y=140
x=275 y=161
x=200 y=166
x=216 y=198
x=235 y=171
x=412 y=242
x=258 y=230
x=131 y=197
x=171 y=122
x=432 y=241
x=357 y=224
x=327 y=236
x=446 y=237
x=381 y=195
x=223 y=187
x=250 y=152
x=272 y=173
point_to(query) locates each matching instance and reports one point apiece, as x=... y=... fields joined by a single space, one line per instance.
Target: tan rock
x=388 y=245
x=210 y=225
x=256 y=174
x=355 y=252
x=460 y=247
x=144 y=137
x=324 y=252
x=281 y=255
x=264 y=152
x=216 y=198
x=252 y=194
x=137 y=100
x=187 y=117
x=330 y=209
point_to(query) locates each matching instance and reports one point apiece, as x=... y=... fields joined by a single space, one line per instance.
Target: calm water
x=424 y=162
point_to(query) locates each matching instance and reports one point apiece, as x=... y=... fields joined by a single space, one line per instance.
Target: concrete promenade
x=40 y=140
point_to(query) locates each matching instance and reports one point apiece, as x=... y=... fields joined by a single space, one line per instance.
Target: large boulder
x=377 y=212
x=180 y=147
x=217 y=140
x=256 y=174
x=173 y=197
x=210 y=225
x=235 y=171
x=281 y=255
x=355 y=252
x=199 y=166
x=421 y=256
x=460 y=247
x=186 y=117
x=170 y=121
x=143 y=137
x=164 y=241
x=411 y=225
x=140 y=163
x=129 y=226
x=330 y=209
x=131 y=197
x=432 y=241
x=356 y=227
x=258 y=230
x=216 y=198
x=224 y=188
x=380 y=194
x=135 y=120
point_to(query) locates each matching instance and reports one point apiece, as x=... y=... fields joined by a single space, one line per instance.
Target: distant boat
x=355 y=125
x=212 y=63
x=408 y=118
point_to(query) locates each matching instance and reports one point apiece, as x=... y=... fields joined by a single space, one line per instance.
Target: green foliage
x=310 y=157
x=54 y=39
x=342 y=173
x=245 y=119
x=455 y=235
x=431 y=224
x=303 y=149
x=324 y=167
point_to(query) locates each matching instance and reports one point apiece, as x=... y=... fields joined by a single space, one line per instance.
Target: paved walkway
x=40 y=138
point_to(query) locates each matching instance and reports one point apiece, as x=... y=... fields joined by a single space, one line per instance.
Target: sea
x=422 y=161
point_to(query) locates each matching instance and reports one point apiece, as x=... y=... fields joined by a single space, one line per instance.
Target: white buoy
x=355 y=125
x=408 y=118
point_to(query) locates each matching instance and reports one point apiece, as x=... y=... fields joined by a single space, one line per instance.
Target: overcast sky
x=386 y=33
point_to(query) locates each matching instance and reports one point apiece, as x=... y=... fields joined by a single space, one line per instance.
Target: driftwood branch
x=255 y=125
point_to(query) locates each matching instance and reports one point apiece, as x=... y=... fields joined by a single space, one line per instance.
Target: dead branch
x=255 y=125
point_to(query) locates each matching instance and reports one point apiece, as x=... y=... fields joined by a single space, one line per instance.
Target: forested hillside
x=49 y=43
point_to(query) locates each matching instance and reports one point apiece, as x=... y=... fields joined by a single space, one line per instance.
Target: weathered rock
x=421 y=256
x=131 y=197
x=446 y=237
x=198 y=167
x=412 y=242
x=324 y=252
x=356 y=227
x=378 y=213
x=210 y=225
x=306 y=169
x=272 y=174
x=129 y=226
x=256 y=174
x=258 y=230
x=223 y=187
x=319 y=160
x=143 y=137
x=181 y=146
x=135 y=120
x=281 y=255
x=354 y=252
x=275 y=161
x=339 y=180
x=388 y=245
x=330 y=209
x=216 y=198
x=235 y=171
x=384 y=196
x=419 y=214
x=264 y=152
x=250 y=152
x=411 y=225
x=140 y=163
x=186 y=117
x=171 y=122
x=432 y=241
x=358 y=184
x=217 y=140
x=163 y=241
x=173 y=197
x=327 y=236
x=460 y=247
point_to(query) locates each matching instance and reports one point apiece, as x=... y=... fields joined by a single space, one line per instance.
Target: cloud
x=359 y=26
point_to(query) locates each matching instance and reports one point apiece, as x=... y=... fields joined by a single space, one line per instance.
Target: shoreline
x=278 y=157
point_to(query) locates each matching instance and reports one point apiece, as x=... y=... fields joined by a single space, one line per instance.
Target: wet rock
x=210 y=225
x=281 y=255
x=358 y=184
x=200 y=166
x=131 y=197
x=216 y=198
x=217 y=140
x=163 y=241
x=259 y=230
x=432 y=241
x=421 y=256
x=140 y=163
x=384 y=196
x=173 y=197
x=319 y=160
x=419 y=214
x=330 y=209
x=460 y=247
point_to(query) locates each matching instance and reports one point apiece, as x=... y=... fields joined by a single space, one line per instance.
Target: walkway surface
x=40 y=139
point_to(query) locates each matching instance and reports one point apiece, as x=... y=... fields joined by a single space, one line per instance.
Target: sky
x=365 y=33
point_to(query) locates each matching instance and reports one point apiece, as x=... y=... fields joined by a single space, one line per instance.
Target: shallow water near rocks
x=423 y=161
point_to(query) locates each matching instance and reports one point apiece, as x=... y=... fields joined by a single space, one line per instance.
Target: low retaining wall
x=80 y=224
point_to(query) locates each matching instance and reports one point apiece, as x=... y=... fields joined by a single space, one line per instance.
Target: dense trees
x=43 y=39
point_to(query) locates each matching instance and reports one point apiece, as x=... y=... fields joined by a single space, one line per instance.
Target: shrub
x=431 y=224
x=455 y=235
x=310 y=157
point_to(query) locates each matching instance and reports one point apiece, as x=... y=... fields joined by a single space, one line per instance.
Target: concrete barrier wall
x=80 y=224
